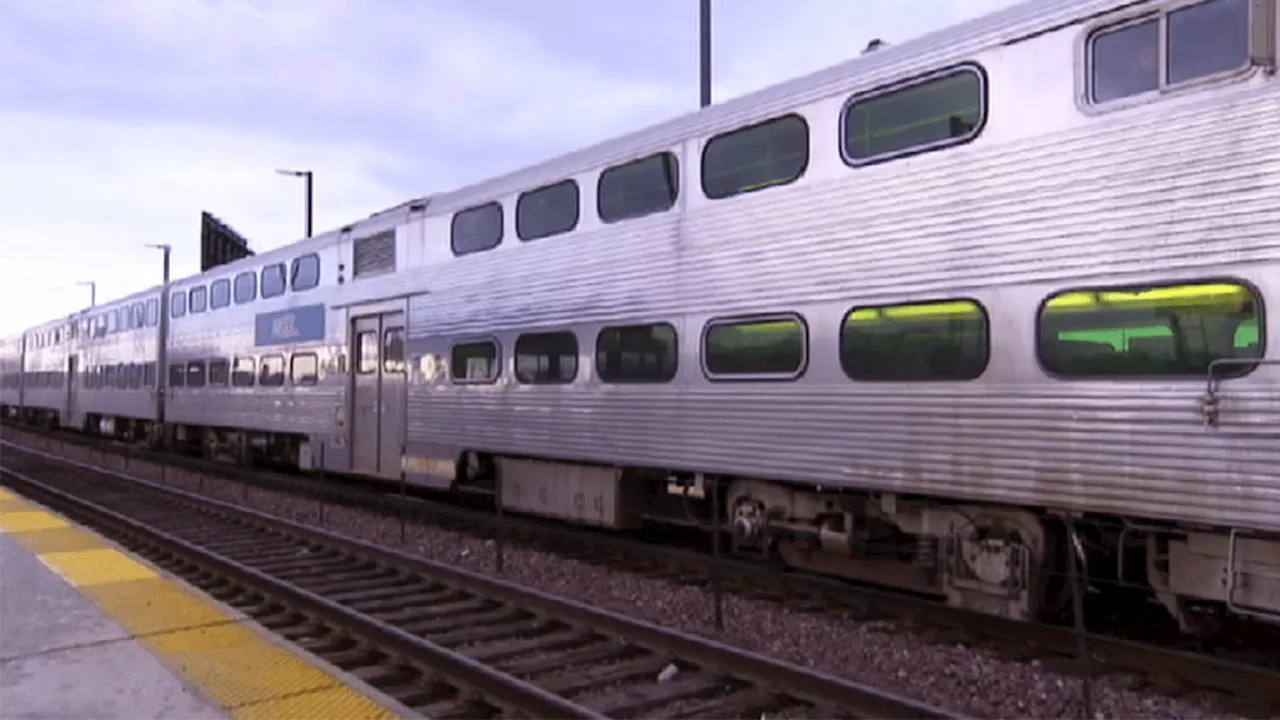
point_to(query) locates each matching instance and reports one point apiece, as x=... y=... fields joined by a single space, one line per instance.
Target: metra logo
x=284 y=327
x=300 y=324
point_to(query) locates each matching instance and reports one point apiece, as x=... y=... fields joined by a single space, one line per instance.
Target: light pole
x=704 y=52
x=93 y=292
x=162 y=343
x=306 y=174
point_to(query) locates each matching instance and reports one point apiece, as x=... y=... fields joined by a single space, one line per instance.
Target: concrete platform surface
x=88 y=631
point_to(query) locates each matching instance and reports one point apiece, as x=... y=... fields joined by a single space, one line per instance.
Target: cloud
x=120 y=121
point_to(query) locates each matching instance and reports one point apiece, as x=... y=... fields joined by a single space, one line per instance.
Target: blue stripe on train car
x=294 y=325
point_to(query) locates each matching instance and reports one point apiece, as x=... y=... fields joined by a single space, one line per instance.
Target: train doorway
x=70 y=417
x=377 y=393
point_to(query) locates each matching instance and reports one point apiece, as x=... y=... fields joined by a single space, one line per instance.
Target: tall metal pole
x=308 y=176
x=704 y=52
x=162 y=345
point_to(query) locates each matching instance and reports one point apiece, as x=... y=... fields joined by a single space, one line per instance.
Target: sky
x=121 y=120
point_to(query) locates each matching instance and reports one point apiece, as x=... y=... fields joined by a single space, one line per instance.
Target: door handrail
x=1209 y=405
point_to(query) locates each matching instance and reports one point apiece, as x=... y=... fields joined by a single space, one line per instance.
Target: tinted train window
x=1207 y=38
x=474 y=362
x=367 y=352
x=945 y=340
x=177 y=375
x=139 y=316
x=178 y=304
x=219 y=372
x=923 y=115
x=547 y=211
x=196 y=299
x=195 y=373
x=304 y=273
x=640 y=187
x=546 y=358
x=246 y=288
x=637 y=353
x=1196 y=41
x=273 y=280
x=1153 y=331
x=304 y=369
x=774 y=152
x=271 y=371
x=763 y=347
x=153 y=312
x=149 y=374
x=393 y=350
x=219 y=294
x=476 y=229
x=135 y=376
x=242 y=372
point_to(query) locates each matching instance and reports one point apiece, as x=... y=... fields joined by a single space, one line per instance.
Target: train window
x=246 y=287
x=942 y=340
x=1207 y=38
x=153 y=312
x=1150 y=331
x=637 y=353
x=135 y=376
x=195 y=373
x=637 y=188
x=474 y=362
x=273 y=280
x=1195 y=41
x=197 y=299
x=549 y=210
x=139 y=316
x=546 y=358
x=920 y=115
x=756 y=348
x=393 y=350
x=219 y=372
x=177 y=374
x=177 y=304
x=242 y=372
x=774 y=152
x=271 y=371
x=149 y=374
x=109 y=376
x=304 y=369
x=476 y=229
x=219 y=294
x=304 y=272
x=367 y=352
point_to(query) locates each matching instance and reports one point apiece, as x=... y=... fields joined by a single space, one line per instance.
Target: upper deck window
x=272 y=281
x=246 y=288
x=219 y=294
x=637 y=188
x=476 y=229
x=547 y=211
x=1196 y=41
x=921 y=115
x=198 y=299
x=773 y=152
x=304 y=273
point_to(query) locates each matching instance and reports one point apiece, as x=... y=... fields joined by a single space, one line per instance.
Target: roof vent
x=875 y=44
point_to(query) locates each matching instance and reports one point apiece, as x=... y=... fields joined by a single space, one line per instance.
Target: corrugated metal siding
x=374 y=255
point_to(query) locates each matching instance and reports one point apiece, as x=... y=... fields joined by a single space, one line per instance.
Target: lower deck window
x=1151 y=331
x=547 y=358
x=944 y=340
x=756 y=348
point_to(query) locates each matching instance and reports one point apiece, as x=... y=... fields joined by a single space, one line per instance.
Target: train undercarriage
x=1008 y=561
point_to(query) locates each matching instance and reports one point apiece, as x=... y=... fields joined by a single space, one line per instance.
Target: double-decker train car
x=116 y=351
x=944 y=317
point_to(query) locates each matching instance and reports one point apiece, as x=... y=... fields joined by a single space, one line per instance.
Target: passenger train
x=943 y=317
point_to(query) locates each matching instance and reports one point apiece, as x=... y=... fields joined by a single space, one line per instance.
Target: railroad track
x=442 y=641
x=1253 y=688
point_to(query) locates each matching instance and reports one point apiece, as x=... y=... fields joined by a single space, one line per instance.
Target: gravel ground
x=968 y=680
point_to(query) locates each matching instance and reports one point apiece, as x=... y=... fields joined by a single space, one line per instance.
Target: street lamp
x=307 y=175
x=704 y=52
x=93 y=291
x=162 y=345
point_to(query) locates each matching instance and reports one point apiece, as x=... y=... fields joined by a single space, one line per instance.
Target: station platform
x=89 y=631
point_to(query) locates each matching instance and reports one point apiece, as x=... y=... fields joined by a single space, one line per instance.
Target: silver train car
x=946 y=317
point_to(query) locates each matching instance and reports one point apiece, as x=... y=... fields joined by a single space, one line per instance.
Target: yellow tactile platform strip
x=229 y=658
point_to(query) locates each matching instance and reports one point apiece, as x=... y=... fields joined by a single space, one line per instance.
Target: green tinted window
x=944 y=340
x=755 y=347
x=1154 y=331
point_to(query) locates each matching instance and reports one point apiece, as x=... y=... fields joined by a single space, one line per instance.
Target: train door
x=377 y=393
x=70 y=416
